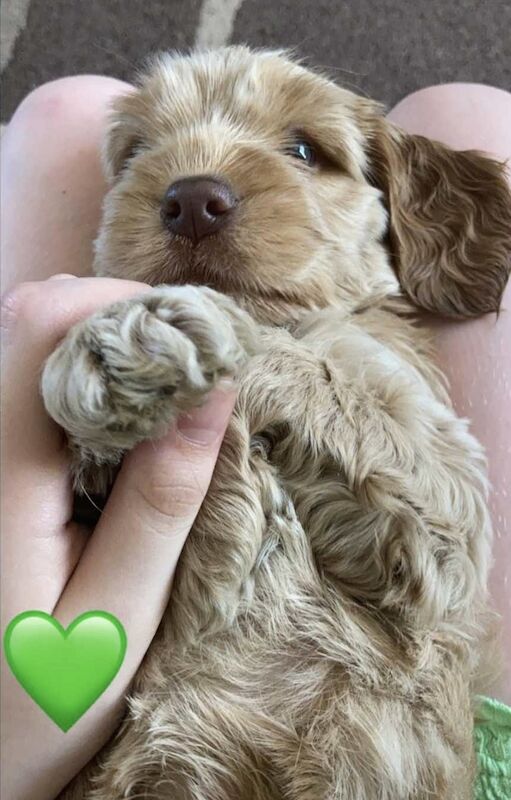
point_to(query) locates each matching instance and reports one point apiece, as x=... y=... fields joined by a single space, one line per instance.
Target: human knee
x=463 y=115
x=63 y=103
x=457 y=93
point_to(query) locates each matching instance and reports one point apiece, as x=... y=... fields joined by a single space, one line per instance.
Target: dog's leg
x=386 y=485
x=389 y=488
x=124 y=374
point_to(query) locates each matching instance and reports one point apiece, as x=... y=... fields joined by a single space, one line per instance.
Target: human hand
x=125 y=566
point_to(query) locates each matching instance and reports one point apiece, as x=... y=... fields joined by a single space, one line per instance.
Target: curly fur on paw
x=125 y=373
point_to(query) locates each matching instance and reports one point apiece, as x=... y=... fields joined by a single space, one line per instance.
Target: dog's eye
x=304 y=151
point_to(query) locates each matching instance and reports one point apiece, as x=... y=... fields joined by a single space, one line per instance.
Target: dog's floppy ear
x=450 y=220
x=124 y=135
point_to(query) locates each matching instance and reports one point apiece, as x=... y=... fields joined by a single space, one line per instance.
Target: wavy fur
x=323 y=639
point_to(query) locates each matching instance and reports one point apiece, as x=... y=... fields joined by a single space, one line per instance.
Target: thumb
x=167 y=479
x=134 y=549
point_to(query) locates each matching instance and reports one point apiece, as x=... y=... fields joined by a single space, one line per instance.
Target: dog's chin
x=208 y=263
x=219 y=262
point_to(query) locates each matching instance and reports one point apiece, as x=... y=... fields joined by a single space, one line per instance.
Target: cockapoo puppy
x=323 y=640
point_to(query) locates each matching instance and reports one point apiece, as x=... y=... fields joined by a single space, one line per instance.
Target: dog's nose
x=197 y=207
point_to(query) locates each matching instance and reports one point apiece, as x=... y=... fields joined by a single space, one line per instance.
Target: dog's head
x=249 y=173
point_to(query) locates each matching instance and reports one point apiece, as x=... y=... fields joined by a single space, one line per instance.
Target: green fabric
x=493 y=748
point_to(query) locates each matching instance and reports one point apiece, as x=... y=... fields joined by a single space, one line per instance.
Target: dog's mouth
x=212 y=261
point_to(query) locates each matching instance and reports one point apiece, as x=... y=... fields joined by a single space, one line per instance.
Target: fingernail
x=227 y=384
x=61 y=276
x=205 y=424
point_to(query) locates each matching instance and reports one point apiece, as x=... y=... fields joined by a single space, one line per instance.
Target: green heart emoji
x=65 y=671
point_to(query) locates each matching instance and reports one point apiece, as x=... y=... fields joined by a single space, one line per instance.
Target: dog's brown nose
x=197 y=207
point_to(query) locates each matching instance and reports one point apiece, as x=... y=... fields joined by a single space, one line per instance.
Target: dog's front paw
x=125 y=373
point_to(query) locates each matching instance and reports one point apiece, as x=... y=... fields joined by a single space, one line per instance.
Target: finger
x=39 y=551
x=35 y=317
x=128 y=565
x=61 y=276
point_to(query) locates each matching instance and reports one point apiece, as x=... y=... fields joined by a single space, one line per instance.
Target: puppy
x=324 y=635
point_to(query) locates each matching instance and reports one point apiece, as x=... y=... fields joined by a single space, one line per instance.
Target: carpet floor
x=384 y=48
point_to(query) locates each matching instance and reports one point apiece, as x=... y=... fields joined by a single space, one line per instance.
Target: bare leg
x=476 y=355
x=51 y=180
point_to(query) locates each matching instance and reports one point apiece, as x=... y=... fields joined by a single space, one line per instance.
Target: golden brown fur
x=323 y=637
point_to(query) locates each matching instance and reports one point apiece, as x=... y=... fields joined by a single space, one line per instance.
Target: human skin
x=476 y=354
x=51 y=208
x=50 y=563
